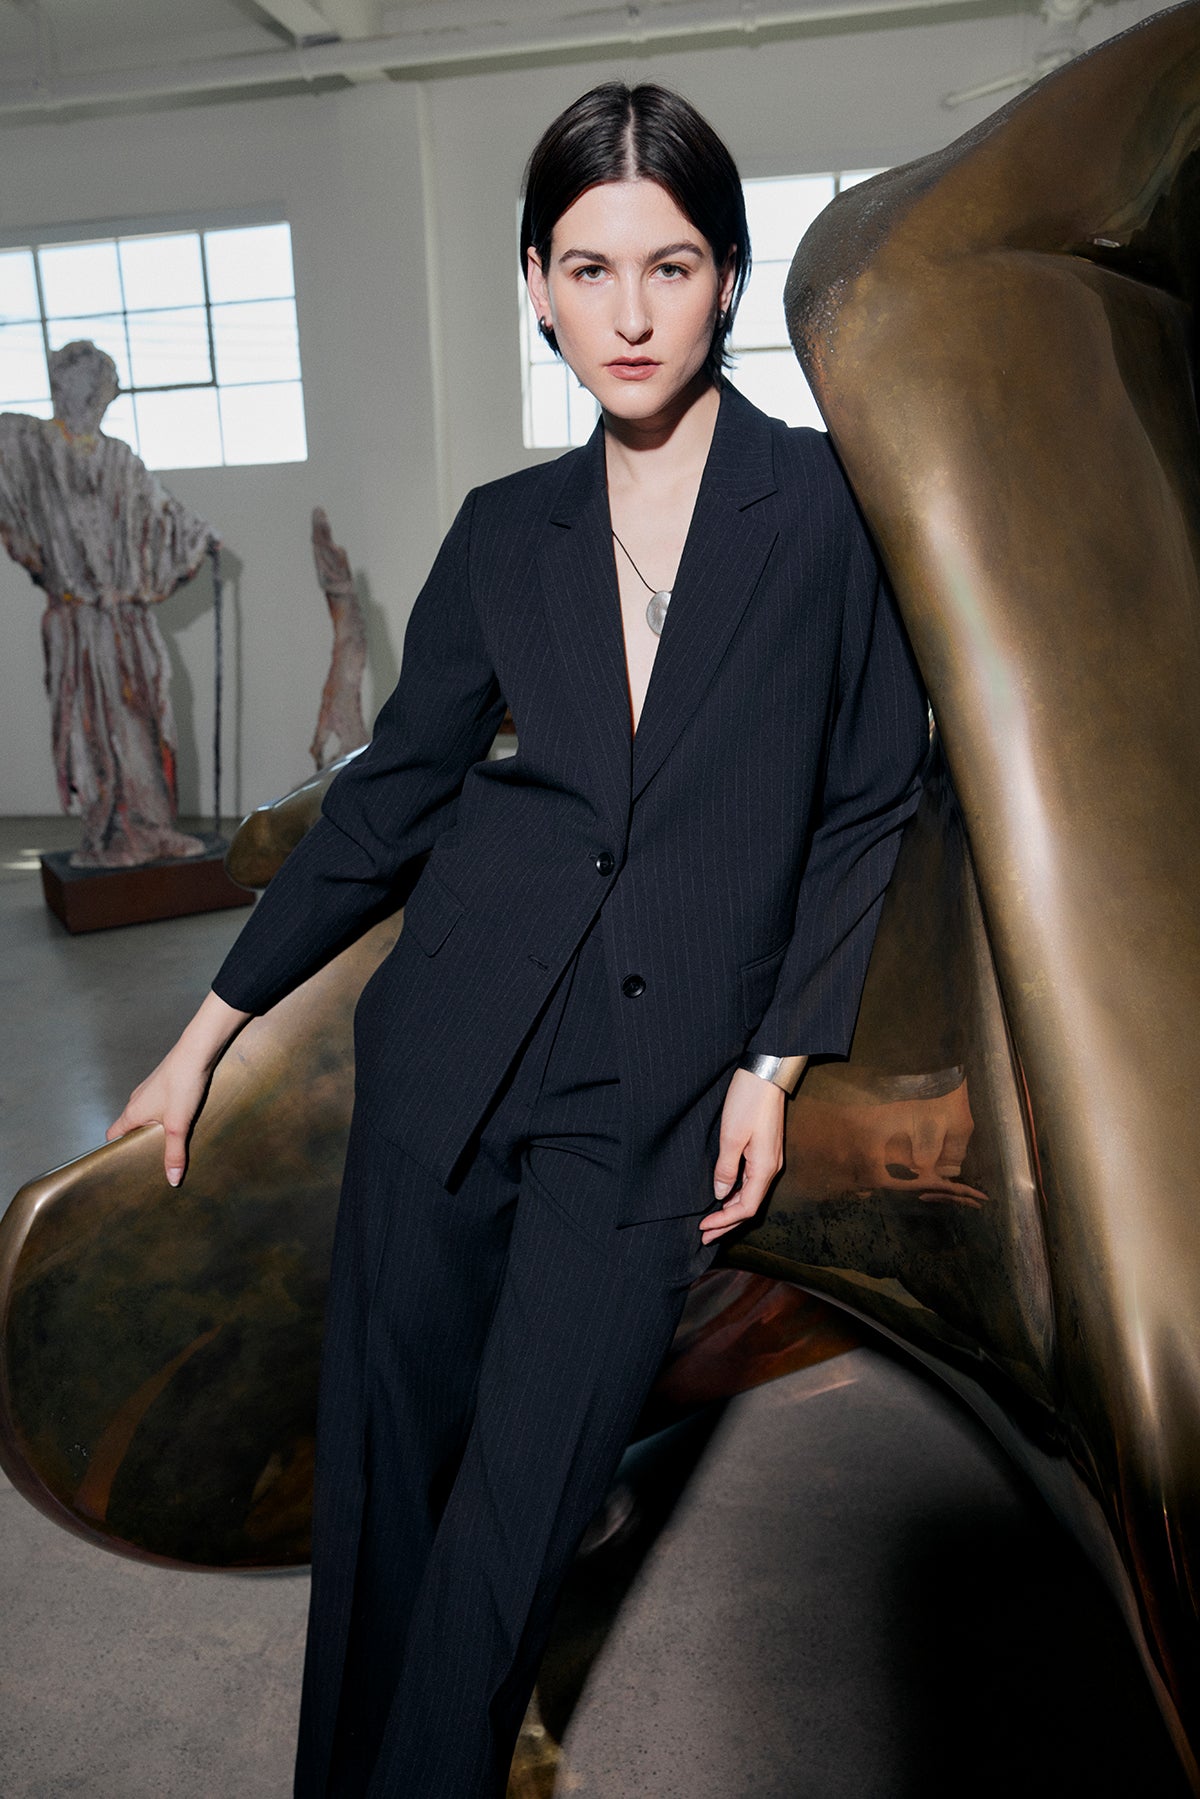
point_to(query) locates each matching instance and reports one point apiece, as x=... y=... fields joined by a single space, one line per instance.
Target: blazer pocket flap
x=757 y=980
x=431 y=913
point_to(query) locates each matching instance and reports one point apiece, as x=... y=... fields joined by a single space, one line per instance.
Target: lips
x=631 y=368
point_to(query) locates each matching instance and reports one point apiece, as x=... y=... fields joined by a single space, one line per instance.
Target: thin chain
x=637 y=571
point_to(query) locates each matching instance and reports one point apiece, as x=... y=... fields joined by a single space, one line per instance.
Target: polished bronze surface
x=158 y=1346
x=265 y=835
x=1003 y=341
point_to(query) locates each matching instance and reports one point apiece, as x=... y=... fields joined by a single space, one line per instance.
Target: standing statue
x=101 y=534
x=340 y=723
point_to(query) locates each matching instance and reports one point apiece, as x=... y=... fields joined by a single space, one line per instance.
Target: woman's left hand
x=751 y=1131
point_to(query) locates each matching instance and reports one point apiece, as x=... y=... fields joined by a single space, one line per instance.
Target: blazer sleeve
x=385 y=810
x=877 y=746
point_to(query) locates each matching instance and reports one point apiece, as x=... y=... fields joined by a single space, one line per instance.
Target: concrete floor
x=837 y=1589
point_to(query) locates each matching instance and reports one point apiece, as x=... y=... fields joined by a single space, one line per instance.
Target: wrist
x=781 y=1071
x=211 y=1030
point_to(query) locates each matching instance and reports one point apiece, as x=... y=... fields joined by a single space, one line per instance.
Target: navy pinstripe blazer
x=737 y=847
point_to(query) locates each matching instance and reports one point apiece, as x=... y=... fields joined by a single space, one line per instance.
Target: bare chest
x=645 y=566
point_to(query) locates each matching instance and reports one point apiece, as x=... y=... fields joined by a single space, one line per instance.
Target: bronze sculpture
x=1003 y=339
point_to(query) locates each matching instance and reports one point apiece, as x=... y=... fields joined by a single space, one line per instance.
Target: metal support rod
x=214 y=556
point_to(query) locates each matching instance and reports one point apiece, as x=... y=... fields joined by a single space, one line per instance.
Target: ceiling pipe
x=416 y=52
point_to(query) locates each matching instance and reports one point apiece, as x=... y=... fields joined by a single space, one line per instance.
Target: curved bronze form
x=1003 y=341
x=159 y=1347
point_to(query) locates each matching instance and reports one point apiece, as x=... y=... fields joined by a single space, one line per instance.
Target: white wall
x=392 y=450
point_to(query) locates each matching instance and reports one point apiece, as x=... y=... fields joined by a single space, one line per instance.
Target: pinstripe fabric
x=486 y=1355
x=752 y=823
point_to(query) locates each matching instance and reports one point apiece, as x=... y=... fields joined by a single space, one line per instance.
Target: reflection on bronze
x=1003 y=341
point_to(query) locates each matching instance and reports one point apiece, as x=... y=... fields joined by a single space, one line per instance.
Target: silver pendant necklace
x=660 y=598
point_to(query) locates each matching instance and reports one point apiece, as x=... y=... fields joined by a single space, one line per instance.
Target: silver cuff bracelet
x=782 y=1071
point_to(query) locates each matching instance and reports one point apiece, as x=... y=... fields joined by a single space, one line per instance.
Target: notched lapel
x=582 y=607
x=727 y=546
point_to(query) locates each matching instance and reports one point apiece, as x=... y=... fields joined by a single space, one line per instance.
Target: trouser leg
x=573 y=1348
x=415 y=1276
x=583 y=1317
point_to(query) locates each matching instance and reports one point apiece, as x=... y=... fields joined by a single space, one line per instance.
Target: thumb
x=175 y=1154
x=726 y=1171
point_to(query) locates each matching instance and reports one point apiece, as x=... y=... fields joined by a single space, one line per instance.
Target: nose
x=633 y=321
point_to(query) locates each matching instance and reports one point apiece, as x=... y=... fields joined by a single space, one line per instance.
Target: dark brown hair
x=619 y=133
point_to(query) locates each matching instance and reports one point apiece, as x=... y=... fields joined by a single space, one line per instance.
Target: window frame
x=192 y=223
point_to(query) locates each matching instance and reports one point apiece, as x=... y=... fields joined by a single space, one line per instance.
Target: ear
x=728 y=275
x=539 y=291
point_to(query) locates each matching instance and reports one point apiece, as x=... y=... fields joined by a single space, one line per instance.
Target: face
x=633 y=292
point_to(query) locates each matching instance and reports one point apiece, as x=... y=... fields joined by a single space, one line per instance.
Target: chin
x=637 y=399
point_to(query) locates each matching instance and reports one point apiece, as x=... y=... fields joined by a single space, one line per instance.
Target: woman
x=621 y=946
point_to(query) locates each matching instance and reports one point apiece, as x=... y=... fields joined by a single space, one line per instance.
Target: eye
x=671 y=270
x=585 y=273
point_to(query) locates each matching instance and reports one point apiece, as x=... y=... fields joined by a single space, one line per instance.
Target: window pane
x=162 y=271
x=780 y=212
x=38 y=409
x=23 y=362
x=107 y=333
x=264 y=424
x=169 y=346
x=582 y=411
x=119 y=420
x=252 y=263
x=772 y=379
x=179 y=430
x=548 y=410
x=18 y=289
x=80 y=279
x=256 y=342
x=760 y=317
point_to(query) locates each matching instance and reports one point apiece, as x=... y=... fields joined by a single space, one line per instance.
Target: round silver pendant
x=656 y=610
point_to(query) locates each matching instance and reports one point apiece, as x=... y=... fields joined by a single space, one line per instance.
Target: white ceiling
x=57 y=55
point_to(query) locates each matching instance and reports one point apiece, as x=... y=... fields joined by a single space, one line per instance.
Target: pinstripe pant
x=487 y=1352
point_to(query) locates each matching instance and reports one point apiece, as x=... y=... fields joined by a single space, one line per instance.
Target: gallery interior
x=839 y=1562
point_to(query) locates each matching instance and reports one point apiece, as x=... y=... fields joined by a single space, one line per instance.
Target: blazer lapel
x=727 y=547
x=726 y=550
x=583 y=612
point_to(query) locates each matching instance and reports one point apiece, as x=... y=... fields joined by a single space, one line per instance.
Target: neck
x=670 y=446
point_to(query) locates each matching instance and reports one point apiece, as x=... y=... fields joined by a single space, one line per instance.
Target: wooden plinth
x=96 y=899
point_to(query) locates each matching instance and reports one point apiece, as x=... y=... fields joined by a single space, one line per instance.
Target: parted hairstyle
x=619 y=133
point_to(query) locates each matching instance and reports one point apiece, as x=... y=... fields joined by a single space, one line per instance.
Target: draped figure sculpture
x=94 y=528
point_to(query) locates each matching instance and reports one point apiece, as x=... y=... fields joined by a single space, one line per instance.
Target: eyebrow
x=656 y=256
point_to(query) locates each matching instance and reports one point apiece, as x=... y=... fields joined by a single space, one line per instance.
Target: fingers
x=176 y=1131
x=745 y=1202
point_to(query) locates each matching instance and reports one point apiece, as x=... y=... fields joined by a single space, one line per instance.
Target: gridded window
x=779 y=212
x=200 y=324
x=558 y=412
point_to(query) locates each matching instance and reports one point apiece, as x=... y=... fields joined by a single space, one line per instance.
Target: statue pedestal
x=96 y=899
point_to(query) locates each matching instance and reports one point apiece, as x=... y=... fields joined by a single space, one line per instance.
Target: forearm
x=210 y=1031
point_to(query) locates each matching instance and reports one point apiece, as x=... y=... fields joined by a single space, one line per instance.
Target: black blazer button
x=604 y=863
x=632 y=985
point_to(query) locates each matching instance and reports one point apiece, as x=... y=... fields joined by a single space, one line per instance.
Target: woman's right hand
x=173 y=1094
